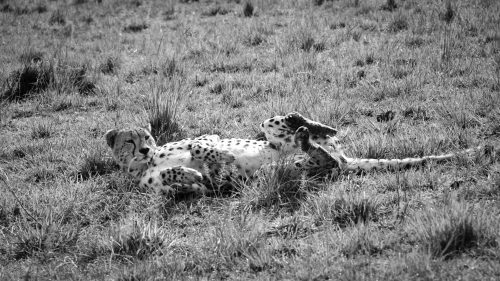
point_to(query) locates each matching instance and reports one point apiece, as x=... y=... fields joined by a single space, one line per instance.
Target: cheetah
x=180 y=167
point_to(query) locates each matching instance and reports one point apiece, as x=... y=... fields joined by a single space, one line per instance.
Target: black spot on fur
x=170 y=149
x=281 y=136
x=179 y=148
x=288 y=139
x=150 y=181
x=197 y=151
x=271 y=126
x=277 y=122
x=162 y=175
x=273 y=146
x=162 y=155
x=271 y=120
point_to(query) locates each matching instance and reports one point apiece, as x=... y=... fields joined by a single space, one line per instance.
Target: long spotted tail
x=353 y=164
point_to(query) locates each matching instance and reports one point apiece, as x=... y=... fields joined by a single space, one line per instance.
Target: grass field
x=71 y=70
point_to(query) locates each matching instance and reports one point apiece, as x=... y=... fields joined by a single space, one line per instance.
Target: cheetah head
x=281 y=130
x=131 y=147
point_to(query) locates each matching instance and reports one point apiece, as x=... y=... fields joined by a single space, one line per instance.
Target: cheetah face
x=281 y=130
x=131 y=146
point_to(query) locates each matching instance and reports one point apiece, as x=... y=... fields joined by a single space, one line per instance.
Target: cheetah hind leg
x=211 y=154
x=181 y=179
x=319 y=160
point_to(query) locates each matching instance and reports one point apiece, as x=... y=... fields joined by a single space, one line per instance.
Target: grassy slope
x=341 y=63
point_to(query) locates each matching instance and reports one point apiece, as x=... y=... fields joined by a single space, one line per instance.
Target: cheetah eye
x=146 y=137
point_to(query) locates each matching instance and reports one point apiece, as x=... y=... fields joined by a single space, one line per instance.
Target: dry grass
x=398 y=79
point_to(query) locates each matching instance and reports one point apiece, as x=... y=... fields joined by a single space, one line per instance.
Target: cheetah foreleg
x=181 y=179
x=319 y=157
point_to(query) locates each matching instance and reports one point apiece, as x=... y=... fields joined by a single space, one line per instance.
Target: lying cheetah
x=180 y=166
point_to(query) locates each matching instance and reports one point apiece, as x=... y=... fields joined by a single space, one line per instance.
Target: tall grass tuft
x=277 y=187
x=163 y=110
x=454 y=229
x=135 y=237
x=359 y=240
x=447 y=17
x=110 y=65
x=390 y=5
x=57 y=17
x=241 y=240
x=32 y=78
x=248 y=9
x=45 y=237
x=42 y=131
x=398 y=23
x=342 y=208
x=95 y=164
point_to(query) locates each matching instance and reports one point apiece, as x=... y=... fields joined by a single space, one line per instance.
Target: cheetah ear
x=148 y=127
x=110 y=137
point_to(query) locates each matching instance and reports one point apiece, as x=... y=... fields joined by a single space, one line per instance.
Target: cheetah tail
x=356 y=164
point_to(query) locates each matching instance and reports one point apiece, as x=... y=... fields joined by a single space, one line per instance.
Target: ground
x=396 y=78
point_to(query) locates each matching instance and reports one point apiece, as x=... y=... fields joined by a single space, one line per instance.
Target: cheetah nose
x=144 y=150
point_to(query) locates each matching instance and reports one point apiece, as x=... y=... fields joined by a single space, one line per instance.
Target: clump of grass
x=359 y=240
x=136 y=238
x=41 y=131
x=254 y=39
x=76 y=75
x=342 y=208
x=414 y=42
x=32 y=78
x=110 y=65
x=136 y=27
x=217 y=88
x=398 y=23
x=241 y=240
x=248 y=9
x=47 y=236
x=42 y=174
x=307 y=43
x=233 y=99
x=23 y=10
x=163 y=108
x=169 y=13
x=57 y=17
x=368 y=60
x=454 y=229
x=278 y=187
x=449 y=13
x=95 y=164
x=390 y=5
x=215 y=10
x=170 y=67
